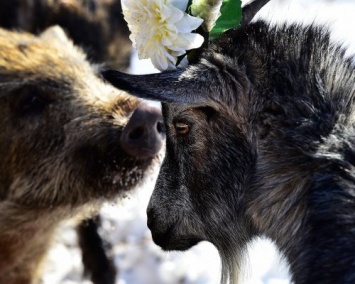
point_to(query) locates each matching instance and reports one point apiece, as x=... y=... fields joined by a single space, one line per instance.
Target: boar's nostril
x=136 y=133
x=142 y=136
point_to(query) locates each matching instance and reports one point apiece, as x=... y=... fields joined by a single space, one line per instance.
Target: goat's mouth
x=169 y=241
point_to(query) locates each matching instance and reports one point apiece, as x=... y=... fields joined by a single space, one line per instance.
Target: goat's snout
x=167 y=234
x=143 y=135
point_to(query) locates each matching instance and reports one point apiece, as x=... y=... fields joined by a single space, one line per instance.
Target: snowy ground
x=140 y=261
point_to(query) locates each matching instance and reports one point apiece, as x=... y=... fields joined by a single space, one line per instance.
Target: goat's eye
x=181 y=128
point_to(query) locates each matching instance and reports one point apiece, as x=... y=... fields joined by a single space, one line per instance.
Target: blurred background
x=138 y=259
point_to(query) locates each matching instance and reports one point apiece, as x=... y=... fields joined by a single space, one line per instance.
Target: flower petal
x=187 y=41
x=180 y=4
x=188 y=23
x=161 y=30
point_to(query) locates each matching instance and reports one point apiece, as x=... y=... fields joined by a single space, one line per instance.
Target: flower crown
x=167 y=30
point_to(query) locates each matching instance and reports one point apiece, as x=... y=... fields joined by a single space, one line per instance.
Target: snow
x=138 y=259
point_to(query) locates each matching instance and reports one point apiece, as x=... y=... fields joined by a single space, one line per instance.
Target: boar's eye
x=30 y=100
x=181 y=128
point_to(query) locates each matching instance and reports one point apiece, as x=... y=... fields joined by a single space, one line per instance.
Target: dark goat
x=260 y=141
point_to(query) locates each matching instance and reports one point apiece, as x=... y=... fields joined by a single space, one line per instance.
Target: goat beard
x=232 y=258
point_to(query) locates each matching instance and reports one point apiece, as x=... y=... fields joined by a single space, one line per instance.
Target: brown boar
x=68 y=142
x=98 y=27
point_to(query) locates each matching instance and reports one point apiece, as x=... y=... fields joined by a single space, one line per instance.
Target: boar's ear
x=167 y=86
x=56 y=34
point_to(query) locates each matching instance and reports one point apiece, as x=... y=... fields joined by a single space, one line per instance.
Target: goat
x=259 y=141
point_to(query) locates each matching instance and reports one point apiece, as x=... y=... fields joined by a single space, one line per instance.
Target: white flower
x=161 y=30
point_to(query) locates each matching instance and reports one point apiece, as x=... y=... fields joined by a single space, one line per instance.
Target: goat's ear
x=167 y=86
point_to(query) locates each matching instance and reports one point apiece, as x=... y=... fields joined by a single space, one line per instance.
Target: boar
x=98 y=27
x=68 y=142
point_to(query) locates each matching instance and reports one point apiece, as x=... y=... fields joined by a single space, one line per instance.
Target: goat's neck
x=309 y=214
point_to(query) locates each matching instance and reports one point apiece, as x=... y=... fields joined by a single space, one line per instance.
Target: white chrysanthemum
x=161 y=30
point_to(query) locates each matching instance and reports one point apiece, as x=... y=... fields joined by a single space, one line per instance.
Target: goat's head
x=243 y=124
x=199 y=194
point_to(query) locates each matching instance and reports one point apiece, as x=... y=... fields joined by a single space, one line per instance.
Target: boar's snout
x=143 y=135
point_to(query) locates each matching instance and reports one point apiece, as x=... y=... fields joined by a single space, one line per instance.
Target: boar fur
x=67 y=144
x=98 y=27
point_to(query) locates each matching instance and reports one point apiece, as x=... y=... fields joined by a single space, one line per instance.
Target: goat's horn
x=250 y=10
x=163 y=87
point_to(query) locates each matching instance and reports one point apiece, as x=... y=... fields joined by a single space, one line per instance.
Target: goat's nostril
x=150 y=218
x=136 y=133
x=161 y=127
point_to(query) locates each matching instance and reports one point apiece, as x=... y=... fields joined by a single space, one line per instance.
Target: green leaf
x=231 y=11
